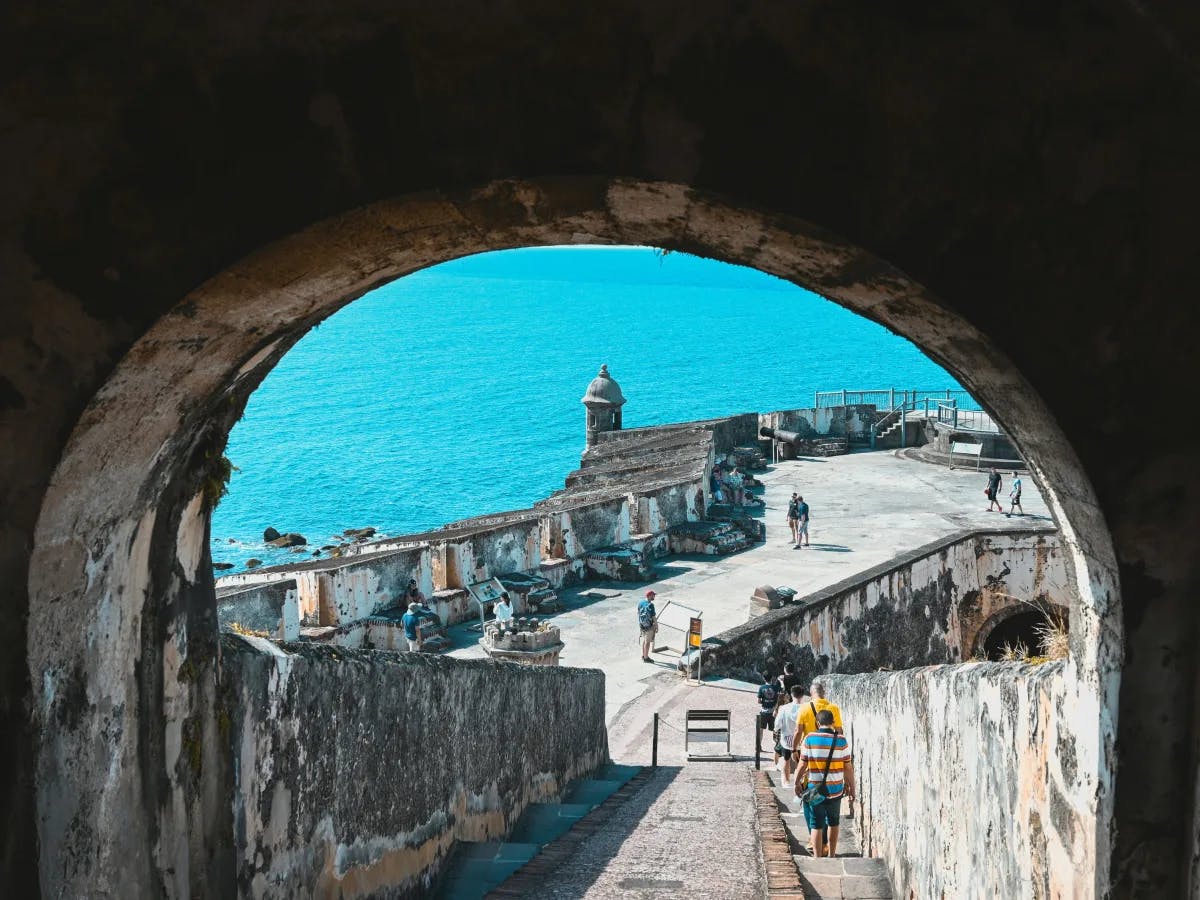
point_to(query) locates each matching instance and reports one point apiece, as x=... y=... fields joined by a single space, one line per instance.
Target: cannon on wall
x=788 y=437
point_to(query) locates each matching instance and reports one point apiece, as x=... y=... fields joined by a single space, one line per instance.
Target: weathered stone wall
x=271 y=607
x=334 y=591
x=851 y=421
x=924 y=607
x=355 y=771
x=972 y=779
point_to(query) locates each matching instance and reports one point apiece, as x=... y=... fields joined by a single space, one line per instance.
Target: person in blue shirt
x=802 y=524
x=411 y=621
x=647 y=624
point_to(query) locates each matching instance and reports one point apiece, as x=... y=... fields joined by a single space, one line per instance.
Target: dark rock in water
x=327 y=546
x=301 y=550
x=251 y=563
x=271 y=535
x=316 y=553
x=230 y=541
x=291 y=539
x=359 y=533
x=221 y=567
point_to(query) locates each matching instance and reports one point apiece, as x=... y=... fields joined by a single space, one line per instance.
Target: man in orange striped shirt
x=826 y=764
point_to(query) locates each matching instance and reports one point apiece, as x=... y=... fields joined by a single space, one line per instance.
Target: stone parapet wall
x=929 y=606
x=971 y=780
x=356 y=771
x=566 y=537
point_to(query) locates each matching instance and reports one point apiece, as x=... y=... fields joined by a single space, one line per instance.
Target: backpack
x=646 y=616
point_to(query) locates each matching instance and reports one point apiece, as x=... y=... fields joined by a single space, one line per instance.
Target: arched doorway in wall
x=122 y=646
x=1020 y=631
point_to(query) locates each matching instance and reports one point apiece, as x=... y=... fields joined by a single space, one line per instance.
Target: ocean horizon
x=455 y=391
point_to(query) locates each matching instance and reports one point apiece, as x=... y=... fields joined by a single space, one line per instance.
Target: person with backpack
x=768 y=695
x=788 y=680
x=826 y=774
x=647 y=624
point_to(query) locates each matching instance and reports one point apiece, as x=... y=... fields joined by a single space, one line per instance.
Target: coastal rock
x=271 y=535
x=316 y=553
x=359 y=533
x=291 y=539
x=327 y=546
x=221 y=567
x=252 y=563
x=301 y=550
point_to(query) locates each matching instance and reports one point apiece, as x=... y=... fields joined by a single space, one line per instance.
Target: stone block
x=866 y=887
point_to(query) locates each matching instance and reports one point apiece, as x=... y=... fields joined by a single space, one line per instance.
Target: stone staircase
x=476 y=869
x=847 y=876
x=714 y=537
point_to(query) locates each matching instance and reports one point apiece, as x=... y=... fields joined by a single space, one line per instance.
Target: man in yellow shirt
x=807 y=721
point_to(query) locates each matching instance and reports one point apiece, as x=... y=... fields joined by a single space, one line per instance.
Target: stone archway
x=977 y=644
x=132 y=777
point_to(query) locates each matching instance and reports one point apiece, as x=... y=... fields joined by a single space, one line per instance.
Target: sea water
x=454 y=391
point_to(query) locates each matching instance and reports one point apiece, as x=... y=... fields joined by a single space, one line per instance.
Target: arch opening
x=122 y=602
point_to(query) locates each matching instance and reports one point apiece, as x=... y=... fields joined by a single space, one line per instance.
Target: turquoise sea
x=455 y=391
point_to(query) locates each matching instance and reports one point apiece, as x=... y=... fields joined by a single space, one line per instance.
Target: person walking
x=1014 y=495
x=806 y=723
x=788 y=680
x=785 y=727
x=647 y=624
x=793 y=516
x=768 y=696
x=802 y=524
x=993 y=491
x=825 y=775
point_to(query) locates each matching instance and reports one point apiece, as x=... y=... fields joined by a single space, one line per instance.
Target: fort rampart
x=934 y=604
x=971 y=778
x=356 y=771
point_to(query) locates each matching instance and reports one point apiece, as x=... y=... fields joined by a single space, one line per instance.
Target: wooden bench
x=706 y=726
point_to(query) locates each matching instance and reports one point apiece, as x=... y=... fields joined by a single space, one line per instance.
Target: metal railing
x=966 y=419
x=893 y=398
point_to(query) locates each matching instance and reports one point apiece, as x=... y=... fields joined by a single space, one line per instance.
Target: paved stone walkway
x=690 y=832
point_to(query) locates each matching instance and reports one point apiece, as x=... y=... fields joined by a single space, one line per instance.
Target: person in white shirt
x=785 y=724
x=503 y=609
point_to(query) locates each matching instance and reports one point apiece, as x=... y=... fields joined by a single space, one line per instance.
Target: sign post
x=695 y=636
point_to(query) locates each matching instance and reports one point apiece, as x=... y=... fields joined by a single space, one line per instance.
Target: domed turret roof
x=604 y=390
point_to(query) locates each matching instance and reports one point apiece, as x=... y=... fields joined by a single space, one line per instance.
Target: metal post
x=654 y=745
x=891 y=398
x=904 y=425
x=757 y=743
x=843 y=396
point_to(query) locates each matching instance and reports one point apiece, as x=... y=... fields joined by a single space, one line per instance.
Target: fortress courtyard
x=866 y=509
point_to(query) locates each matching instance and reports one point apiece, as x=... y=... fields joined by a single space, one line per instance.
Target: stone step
x=851 y=878
x=477 y=867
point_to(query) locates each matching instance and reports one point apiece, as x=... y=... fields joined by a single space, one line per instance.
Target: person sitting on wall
x=736 y=485
x=503 y=609
x=714 y=483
